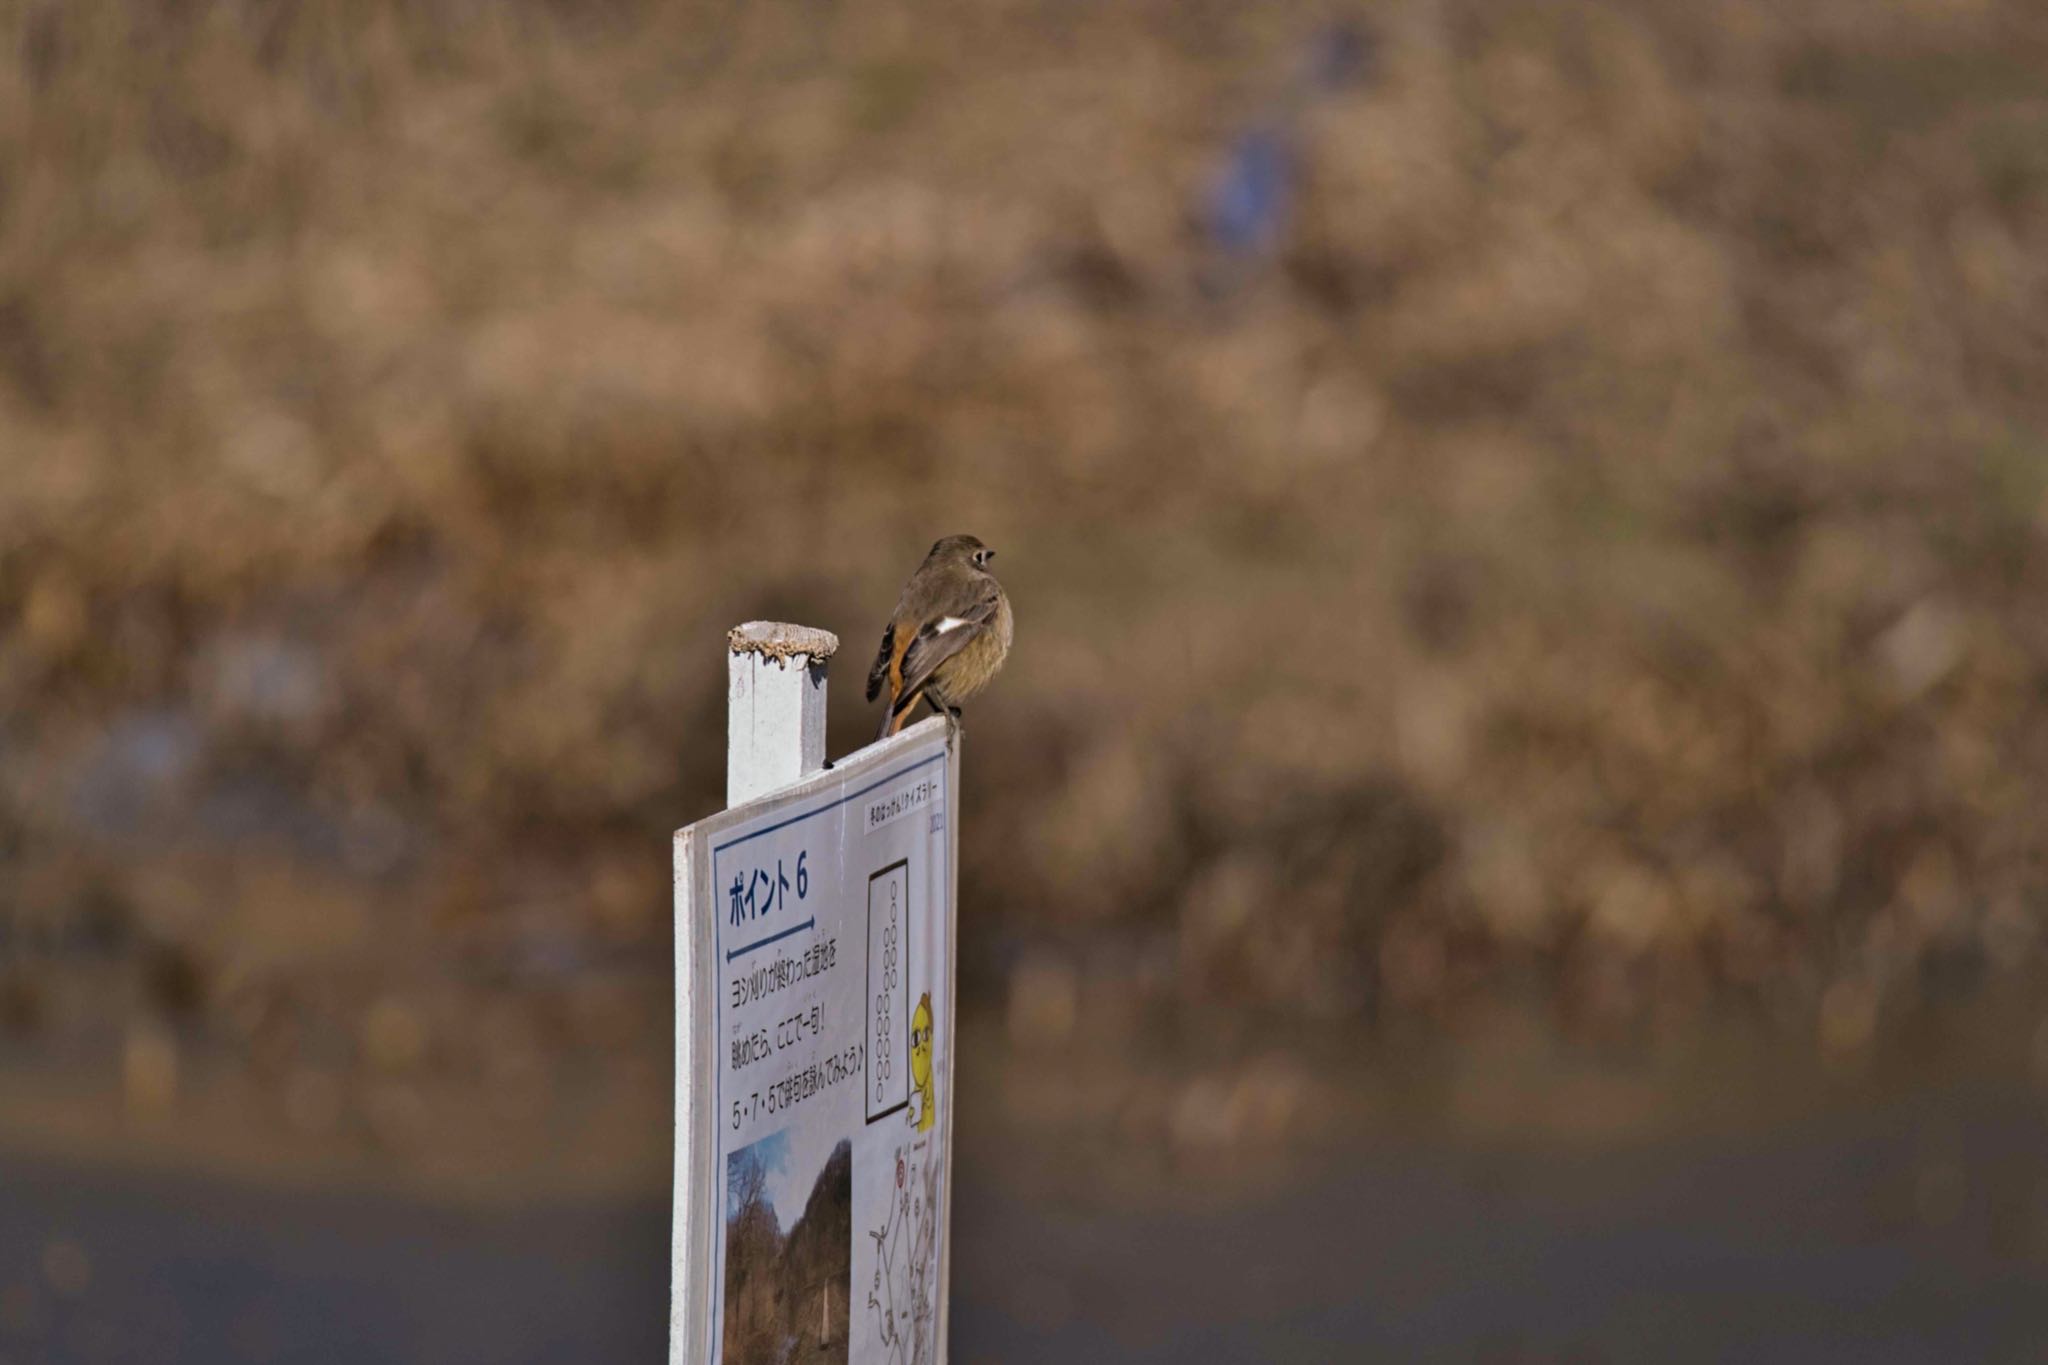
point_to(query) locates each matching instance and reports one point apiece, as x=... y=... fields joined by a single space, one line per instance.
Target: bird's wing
x=946 y=635
x=879 y=674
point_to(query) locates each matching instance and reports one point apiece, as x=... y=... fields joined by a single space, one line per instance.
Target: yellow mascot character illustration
x=921 y=1060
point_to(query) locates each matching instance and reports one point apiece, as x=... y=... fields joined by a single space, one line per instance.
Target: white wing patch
x=950 y=623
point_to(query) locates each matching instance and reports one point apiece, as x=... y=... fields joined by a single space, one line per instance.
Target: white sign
x=814 y=1067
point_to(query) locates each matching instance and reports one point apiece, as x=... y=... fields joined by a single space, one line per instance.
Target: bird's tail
x=892 y=719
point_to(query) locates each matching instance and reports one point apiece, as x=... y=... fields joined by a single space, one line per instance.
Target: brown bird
x=947 y=637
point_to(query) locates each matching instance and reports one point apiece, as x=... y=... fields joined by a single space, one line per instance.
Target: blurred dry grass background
x=1594 y=555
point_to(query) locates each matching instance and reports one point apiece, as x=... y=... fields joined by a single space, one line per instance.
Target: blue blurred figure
x=1250 y=202
x=1249 y=206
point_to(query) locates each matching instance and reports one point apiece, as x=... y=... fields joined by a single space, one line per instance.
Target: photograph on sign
x=830 y=924
x=788 y=1253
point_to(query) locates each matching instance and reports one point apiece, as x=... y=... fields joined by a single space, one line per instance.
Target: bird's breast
x=967 y=672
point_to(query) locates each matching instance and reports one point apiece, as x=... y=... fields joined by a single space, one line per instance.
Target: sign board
x=814 y=1066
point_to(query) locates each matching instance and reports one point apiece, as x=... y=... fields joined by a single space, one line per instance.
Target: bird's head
x=964 y=549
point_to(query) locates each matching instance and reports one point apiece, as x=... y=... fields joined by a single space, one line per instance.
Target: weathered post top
x=777 y=701
x=781 y=640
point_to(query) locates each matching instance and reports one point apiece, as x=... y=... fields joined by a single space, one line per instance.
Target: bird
x=947 y=637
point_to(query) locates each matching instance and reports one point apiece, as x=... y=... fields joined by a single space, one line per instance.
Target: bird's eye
x=982 y=557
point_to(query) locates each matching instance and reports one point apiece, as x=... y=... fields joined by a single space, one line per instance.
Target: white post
x=775 y=733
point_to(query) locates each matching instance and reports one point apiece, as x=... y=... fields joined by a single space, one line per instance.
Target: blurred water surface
x=1831 y=1242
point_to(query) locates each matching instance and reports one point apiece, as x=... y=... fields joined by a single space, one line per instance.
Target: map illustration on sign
x=900 y=1296
x=824 y=976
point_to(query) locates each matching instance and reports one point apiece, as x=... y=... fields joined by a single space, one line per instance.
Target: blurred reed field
x=1503 y=500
